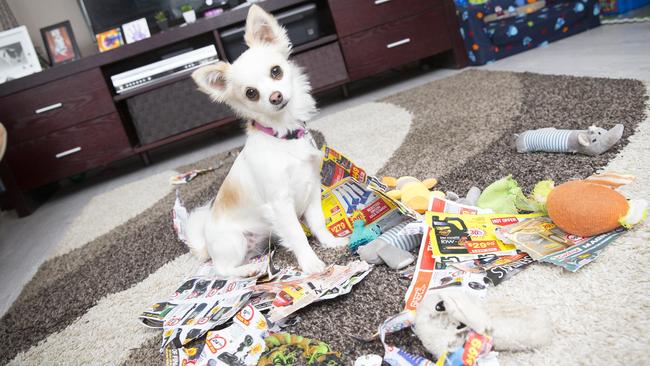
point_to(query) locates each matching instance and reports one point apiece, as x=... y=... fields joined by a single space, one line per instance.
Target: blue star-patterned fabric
x=611 y=7
x=489 y=41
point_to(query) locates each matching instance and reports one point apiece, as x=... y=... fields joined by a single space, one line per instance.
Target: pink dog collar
x=291 y=135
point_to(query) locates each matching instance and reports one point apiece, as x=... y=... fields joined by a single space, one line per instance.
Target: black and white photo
x=17 y=55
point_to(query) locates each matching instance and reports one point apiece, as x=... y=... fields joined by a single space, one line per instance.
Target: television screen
x=102 y=15
x=106 y=14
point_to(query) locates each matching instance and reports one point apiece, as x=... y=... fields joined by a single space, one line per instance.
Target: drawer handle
x=49 y=108
x=398 y=43
x=379 y=2
x=68 y=152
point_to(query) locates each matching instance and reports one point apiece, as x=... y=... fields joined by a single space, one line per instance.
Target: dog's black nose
x=275 y=98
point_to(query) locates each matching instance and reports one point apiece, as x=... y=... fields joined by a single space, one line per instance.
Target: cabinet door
x=59 y=104
x=323 y=65
x=396 y=43
x=68 y=151
x=352 y=16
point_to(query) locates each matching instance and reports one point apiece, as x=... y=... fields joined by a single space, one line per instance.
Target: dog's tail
x=196 y=232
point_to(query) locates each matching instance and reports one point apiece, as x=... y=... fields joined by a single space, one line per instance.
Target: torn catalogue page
x=469 y=236
x=198 y=306
x=349 y=200
x=395 y=356
x=546 y=242
x=437 y=204
x=349 y=194
x=296 y=292
x=186 y=177
x=496 y=269
x=241 y=343
x=336 y=167
x=205 y=301
x=431 y=272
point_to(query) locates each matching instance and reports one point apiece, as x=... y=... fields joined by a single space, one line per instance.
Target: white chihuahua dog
x=275 y=180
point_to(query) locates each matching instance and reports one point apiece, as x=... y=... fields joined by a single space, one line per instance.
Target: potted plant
x=161 y=20
x=188 y=13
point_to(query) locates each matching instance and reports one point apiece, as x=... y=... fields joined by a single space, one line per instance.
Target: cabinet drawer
x=69 y=151
x=41 y=110
x=173 y=109
x=323 y=65
x=396 y=43
x=351 y=16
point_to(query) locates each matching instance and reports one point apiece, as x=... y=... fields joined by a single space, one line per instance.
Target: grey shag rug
x=81 y=307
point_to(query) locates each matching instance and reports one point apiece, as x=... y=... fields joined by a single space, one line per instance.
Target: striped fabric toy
x=592 y=141
x=546 y=139
x=404 y=242
x=391 y=248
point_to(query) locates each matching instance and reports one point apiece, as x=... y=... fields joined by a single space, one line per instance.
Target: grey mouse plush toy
x=470 y=199
x=445 y=316
x=592 y=141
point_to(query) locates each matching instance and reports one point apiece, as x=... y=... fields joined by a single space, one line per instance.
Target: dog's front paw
x=334 y=242
x=311 y=264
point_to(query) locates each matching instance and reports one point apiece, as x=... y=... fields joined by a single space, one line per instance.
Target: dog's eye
x=440 y=306
x=276 y=72
x=252 y=94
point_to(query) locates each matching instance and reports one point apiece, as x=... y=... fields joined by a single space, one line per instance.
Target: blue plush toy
x=362 y=235
x=391 y=247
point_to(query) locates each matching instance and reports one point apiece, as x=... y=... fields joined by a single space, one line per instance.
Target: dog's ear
x=212 y=80
x=262 y=28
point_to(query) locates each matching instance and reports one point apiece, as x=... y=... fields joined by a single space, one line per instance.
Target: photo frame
x=136 y=30
x=109 y=39
x=60 y=43
x=18 y=57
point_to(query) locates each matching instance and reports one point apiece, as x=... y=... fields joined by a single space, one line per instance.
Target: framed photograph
x=17 y=55
x=109 y=40
x=60 y=43
x=136 y=30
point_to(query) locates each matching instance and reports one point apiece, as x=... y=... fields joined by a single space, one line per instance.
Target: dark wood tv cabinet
x=68 y=119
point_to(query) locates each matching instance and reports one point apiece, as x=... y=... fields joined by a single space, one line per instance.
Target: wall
x=37 y=14
x=7 y=19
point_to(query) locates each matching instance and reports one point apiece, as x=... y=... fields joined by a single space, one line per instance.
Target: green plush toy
x=284 y=349
x=505 y=196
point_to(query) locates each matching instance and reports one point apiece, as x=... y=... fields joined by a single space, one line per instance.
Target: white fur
x=277 y=181
x=195 y=236
x=512 y=326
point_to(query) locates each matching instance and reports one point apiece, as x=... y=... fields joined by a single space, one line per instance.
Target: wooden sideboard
x=69 y=119
x=381 y=34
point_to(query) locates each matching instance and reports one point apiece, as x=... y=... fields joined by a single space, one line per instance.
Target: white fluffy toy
x=445 y=316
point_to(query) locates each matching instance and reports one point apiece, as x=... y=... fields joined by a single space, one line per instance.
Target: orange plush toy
x=411 y=191
x=592 y=206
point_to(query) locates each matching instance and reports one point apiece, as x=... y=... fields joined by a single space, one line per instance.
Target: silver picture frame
x=18 y=57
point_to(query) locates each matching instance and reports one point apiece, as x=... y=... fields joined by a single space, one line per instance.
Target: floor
x=616 y=51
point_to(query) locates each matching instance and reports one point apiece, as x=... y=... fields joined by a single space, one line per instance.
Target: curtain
x=7 y=19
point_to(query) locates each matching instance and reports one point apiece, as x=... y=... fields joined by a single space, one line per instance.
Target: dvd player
x=162 y=70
